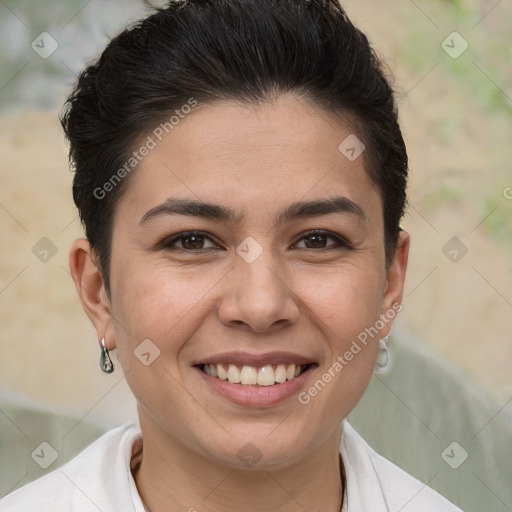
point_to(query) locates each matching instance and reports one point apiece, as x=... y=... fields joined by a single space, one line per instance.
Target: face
x=247 y=244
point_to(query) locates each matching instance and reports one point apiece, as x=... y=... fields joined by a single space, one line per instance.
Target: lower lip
x=256 y=396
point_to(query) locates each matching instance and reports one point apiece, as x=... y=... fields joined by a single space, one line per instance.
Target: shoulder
x=97 y=478
x=374 y=483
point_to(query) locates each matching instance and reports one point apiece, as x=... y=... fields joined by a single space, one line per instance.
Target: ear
x=90 y=285
x=395 y=278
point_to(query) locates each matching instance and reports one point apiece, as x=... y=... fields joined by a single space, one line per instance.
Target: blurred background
x=451 y=62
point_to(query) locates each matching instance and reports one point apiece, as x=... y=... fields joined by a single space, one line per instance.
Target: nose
x=259 y=296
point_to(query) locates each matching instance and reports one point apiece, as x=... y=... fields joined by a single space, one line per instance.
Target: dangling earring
x=383 y=357
x=106 y=363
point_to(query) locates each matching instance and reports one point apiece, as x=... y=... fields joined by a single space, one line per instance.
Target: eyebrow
x=297 y=210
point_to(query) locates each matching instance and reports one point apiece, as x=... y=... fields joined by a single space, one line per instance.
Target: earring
x=106 y=363
x=383 y=357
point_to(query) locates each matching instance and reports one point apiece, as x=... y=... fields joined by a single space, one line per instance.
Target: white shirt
x=99 y=478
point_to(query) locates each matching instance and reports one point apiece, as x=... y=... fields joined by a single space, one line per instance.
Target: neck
x=171 y=475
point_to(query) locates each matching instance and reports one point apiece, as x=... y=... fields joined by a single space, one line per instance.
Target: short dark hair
x=244 y=50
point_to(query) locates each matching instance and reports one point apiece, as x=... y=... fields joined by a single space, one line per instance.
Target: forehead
x=253 y=157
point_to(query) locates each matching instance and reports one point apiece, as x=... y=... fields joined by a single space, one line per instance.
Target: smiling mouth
x=268 y=375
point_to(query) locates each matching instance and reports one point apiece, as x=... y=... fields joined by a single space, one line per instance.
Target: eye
x=190 y=241
x=195 y=241
x=317 y=239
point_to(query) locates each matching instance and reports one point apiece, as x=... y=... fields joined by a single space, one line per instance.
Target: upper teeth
x=247 y=375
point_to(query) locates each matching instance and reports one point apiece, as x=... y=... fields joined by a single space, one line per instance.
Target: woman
x=241 y=177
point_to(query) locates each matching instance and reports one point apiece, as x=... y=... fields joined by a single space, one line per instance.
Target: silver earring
x=106 y=363
x=383 y=357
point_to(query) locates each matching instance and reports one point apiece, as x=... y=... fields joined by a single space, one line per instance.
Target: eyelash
x=341 y=243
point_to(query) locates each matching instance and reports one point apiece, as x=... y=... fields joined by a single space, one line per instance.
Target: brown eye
x=191 y=241
x=316 y=241
x=319 y=240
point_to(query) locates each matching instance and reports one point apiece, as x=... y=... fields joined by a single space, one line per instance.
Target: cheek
x=348 y=306
x=359 y=307
x=157 y=310
x=156 y=303
x=347 y=299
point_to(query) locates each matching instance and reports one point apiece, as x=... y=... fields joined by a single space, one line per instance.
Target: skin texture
x=194 y=304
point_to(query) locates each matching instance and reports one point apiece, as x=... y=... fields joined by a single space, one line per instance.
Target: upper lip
x=257 y=360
